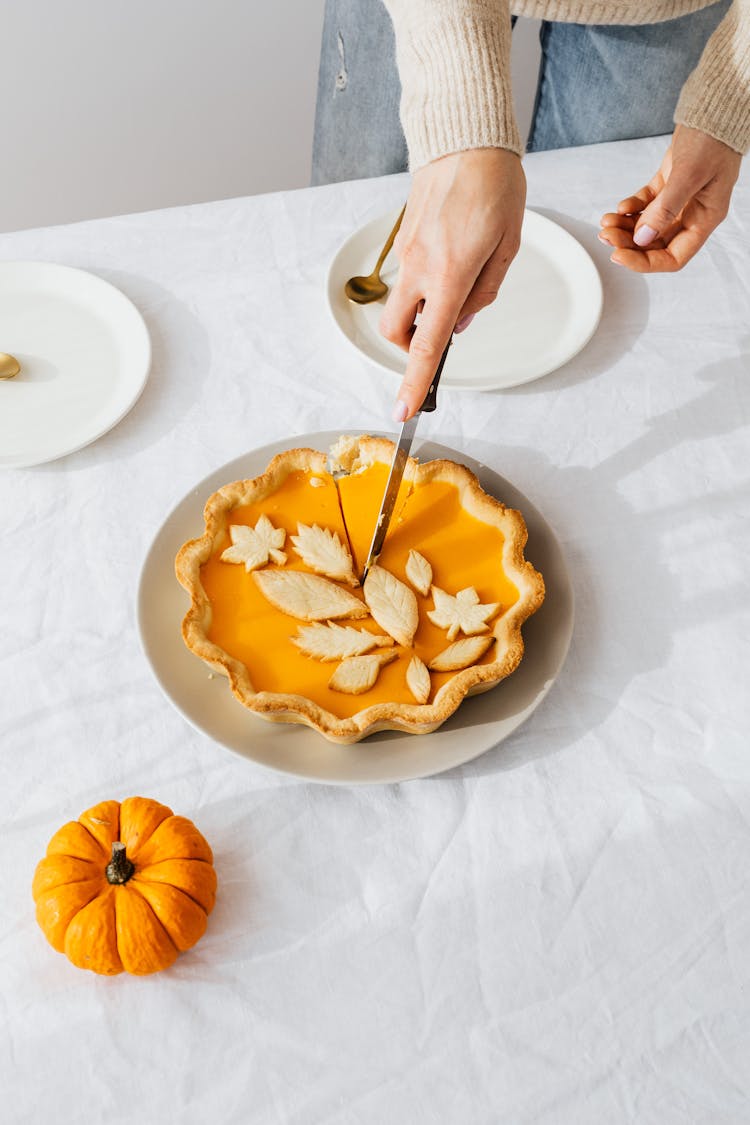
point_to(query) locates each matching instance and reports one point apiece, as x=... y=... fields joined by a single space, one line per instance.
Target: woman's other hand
x=661 y=227
x=461 y=231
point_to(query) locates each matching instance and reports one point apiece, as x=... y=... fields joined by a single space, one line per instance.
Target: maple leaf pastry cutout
x=461 y=613
x=254 y=546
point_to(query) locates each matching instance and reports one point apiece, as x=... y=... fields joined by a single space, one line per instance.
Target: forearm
x=454 y=64
x=716 y=97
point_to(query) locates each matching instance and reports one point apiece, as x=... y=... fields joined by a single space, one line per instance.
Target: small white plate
x=84 y=352
x=547 y=310
x=206 y=701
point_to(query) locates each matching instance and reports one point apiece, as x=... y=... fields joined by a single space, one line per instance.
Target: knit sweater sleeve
x=716 y=96
x=454 y=63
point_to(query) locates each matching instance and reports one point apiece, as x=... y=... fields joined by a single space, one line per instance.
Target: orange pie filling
x=474 y=587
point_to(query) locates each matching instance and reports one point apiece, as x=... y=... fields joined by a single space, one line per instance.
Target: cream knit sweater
x=454 y=63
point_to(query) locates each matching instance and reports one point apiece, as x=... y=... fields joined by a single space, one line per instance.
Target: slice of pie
x=277 y=606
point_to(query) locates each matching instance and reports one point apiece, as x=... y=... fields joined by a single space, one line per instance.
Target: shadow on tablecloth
x=629 y=600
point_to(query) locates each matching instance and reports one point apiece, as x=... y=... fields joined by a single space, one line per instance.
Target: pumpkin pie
x=277 y=605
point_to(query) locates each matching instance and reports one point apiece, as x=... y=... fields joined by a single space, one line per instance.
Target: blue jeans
x=596 y=83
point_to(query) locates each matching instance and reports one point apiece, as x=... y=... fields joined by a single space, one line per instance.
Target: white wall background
x=113 y=106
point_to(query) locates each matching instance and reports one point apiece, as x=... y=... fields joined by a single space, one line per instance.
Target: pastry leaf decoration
x=419 y=572
x=460 y=654
x=392 y=604
x=254 y=546
x=359 y=673
x=307 y=596
x=323 y=552
x=337 y=642
x=418 y=679
x=463 y=613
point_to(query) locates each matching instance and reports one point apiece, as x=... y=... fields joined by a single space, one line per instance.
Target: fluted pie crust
x=446 y=532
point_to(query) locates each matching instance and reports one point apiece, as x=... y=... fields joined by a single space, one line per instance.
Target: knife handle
x=430 y=401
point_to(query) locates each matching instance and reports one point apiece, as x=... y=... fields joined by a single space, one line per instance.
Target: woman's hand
x=663 y=225
x=461 y=231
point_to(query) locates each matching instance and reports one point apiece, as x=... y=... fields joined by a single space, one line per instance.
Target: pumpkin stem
x=120 y=869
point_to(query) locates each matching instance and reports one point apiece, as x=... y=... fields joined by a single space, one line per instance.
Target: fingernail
x=603 y=238
x=400 y=411
x=644 y=235
x=615 y=261
x=464 y=322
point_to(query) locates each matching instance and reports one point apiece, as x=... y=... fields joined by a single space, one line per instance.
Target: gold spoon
x=9 y=366
x=371 y=288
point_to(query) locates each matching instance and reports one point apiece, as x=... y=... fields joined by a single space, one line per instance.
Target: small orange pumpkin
x=126 y=886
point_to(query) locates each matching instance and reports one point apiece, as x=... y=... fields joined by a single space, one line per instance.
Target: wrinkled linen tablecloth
x=556 y=932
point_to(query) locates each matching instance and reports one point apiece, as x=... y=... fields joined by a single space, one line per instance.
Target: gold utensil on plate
x=9 y=366
x=363 y=290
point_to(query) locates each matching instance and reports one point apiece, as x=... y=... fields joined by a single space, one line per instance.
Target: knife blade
x=398 y=464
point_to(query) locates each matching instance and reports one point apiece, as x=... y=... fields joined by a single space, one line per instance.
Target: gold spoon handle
x=389 y=242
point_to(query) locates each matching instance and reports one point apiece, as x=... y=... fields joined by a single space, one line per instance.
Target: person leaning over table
x=609 y=71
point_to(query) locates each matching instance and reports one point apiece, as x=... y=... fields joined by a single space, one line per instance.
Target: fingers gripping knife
x=400 y=457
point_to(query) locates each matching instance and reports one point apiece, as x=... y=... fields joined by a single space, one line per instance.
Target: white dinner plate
x=547 y=310
x=84 y=352
x=206 y=701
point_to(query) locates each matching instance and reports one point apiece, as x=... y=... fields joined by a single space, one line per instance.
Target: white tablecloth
x=557 y=932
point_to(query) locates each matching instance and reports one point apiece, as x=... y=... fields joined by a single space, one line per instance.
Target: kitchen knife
x=398 y=464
